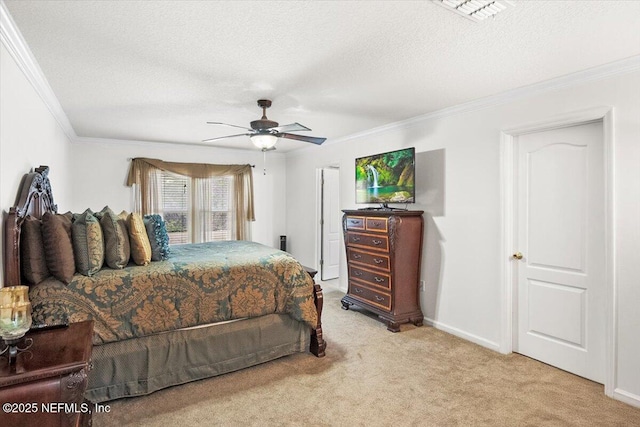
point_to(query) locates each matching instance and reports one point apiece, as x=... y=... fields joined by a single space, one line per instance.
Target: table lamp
x=15 y=320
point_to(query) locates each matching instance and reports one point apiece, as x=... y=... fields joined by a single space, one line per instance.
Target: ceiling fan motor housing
x=263 y=124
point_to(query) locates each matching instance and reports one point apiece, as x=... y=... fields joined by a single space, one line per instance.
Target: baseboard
x=462 y=334
x=626 y=397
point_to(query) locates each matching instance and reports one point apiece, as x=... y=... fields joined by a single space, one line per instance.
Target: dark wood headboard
x=35 y=198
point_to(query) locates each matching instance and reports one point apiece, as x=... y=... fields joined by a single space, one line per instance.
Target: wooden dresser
x=384 y=253
x=47 y=386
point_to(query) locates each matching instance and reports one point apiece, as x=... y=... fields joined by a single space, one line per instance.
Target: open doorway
x=330 y=229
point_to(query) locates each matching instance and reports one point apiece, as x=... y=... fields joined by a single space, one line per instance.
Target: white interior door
x=331 y=224
x=561 y=297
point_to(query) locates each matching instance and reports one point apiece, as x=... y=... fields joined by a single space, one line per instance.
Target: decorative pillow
x=58 y=249
x=88 y=243
x=32 y=258
x=116 y=238
x=140 y=245
x=124 y=215
x=158 y=237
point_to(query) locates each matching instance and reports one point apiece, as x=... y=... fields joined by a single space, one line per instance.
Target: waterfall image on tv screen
x=386 y=177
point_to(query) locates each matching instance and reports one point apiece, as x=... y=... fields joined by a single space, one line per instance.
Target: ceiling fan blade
x=227 y=124
x=292 y=127
x=228 y=136
x=311 y=139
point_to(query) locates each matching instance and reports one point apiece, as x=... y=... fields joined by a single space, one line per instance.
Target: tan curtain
x=148 y=197
x=202 y=221
x=243 y=193
x=144 y=173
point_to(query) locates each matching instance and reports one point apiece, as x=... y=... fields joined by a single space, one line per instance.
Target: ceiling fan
x=264 y=133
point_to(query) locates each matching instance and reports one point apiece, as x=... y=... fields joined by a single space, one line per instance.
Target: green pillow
x=88 y=243
x=116 y=238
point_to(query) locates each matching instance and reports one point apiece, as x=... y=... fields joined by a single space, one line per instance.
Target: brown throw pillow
x=88 y=243
x=116 y=238
x=32 y=259
x=140 y=245
x=58 y=249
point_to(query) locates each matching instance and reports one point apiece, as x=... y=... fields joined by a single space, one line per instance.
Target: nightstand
x=47 y=387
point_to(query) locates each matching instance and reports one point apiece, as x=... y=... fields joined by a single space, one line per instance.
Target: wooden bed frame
x=35 y=198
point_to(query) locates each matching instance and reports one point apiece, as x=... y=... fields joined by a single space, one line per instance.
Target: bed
x=208 y=309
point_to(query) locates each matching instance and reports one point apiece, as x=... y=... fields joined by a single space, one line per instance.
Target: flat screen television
x=386 y=177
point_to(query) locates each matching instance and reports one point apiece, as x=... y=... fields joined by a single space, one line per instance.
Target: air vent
x=476 y=10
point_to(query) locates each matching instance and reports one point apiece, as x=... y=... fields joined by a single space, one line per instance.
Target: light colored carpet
x=372 y=377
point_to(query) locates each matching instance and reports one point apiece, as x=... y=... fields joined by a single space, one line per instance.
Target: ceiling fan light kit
x=264 y=133
x=264 y=141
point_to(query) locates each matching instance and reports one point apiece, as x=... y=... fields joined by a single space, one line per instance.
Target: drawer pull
x=356 y=256
x=355 y=239
x=357 y=291
x=376 y=242
x=379 y=298
x=377 y=223
x=377 y=279
x=357 y=273
x=378 y=261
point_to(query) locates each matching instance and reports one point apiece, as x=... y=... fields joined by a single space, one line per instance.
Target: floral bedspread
x=198 y=284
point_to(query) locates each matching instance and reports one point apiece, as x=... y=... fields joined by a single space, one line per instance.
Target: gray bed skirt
x=143 y=365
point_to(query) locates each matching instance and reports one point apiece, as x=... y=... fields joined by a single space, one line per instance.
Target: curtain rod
x=131 y=158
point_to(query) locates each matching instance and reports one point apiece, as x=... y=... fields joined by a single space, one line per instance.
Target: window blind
x=192 y=217
x=175 y=207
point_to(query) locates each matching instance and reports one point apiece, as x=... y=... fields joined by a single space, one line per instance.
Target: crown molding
x=13 y=41
x=627 y=65
x=111 y=142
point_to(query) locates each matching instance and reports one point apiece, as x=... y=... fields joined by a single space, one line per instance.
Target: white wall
x=29 y=137
x=458 y=178
x=100 y=171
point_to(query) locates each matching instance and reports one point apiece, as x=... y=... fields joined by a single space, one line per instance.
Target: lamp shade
x=264 y=141
x=15 y=312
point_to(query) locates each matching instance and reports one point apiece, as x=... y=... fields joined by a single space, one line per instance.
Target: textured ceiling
x=159 y=70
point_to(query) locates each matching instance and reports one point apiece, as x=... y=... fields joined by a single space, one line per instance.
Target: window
x=200 y=202
x=175 y=206
x=197 y=209
x=218 y=213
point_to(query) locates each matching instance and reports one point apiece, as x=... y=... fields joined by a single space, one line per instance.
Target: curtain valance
x=142 y=170
x=193 y=170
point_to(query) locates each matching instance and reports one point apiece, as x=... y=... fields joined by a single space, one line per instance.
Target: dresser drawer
x=379 y=299
x=355 y=223
x=365 y=258
x=373 y=278
x=376 y=224
x=380 y=243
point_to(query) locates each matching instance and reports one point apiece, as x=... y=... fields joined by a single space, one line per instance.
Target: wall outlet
x=421 y=285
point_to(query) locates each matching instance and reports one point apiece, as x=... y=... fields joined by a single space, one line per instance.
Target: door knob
x=517 y=255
